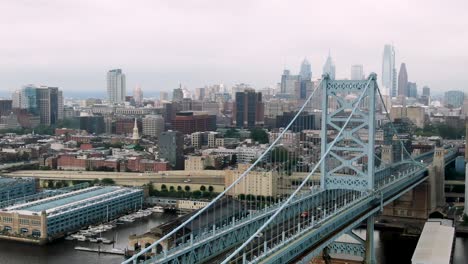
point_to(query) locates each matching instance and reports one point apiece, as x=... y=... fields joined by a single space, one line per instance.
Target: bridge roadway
x=395 y=181
x=309 y=243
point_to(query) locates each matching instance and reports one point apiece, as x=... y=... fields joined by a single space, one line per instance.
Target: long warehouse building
x=11 y=188
x=46 y=219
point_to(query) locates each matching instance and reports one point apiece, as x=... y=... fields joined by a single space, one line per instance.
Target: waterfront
x=390 y=247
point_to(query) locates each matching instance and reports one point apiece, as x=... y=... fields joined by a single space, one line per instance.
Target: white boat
x=106 y=241
x=69 y=238
x=80 y=238
x=93 y=240
x=158 y=209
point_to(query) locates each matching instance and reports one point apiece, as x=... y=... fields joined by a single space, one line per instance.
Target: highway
x=131 y=179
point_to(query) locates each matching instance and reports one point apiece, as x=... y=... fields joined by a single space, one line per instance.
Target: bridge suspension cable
x=290 y=198
x=198 y=213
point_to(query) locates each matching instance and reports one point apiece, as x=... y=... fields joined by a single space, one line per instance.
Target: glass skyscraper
x=403 y=81
x=454 y=99
x=306 y=71
x=329 y=67
x=389 y=70
x=116 y=90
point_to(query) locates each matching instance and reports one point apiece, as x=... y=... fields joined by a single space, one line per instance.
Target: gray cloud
x=159 y=43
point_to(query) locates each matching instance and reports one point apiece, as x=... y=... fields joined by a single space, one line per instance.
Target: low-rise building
x=257 y=182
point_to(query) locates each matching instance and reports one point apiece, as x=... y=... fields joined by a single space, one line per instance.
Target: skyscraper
x=178 y=95
x=248 y=109
x=454 y=99
x=306 y=72
x=426 y=91
x=116 y=90
x=171 y=148
x=289 y=82
x=389 y=70
x=49 y=104
x=403 y=81
x=412 y=90
x=138 y=96
x=329 y=67
x=357 y=72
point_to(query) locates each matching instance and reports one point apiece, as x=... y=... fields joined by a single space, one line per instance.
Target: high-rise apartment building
x=329 y=67
x=357 y=72
x=403 y=81
x=389 y=70
x=248 y=109
x=306 y=71
x=116 y=86
x=171 y=148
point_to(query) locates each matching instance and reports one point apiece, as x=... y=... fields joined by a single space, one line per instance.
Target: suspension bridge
x=359 y=175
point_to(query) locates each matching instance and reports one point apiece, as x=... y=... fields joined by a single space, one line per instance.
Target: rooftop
x=68 y=201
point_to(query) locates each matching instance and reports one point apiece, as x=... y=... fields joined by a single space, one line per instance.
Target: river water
x=390 y=247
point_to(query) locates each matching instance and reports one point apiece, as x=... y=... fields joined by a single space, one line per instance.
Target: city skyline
x=198 y=52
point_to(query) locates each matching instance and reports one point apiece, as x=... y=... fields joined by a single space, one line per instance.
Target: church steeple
x=136 y=134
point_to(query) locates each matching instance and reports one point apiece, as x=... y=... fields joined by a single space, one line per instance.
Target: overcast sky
x=159 y=43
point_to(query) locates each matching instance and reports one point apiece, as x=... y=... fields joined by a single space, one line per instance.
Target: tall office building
x=199 y=94
x=454 y=99
x=248 y=109
x=28 y=99
x=171 y=148
x=403 y=80
x=289 y=82
x=45 y=102
x=178 y=94
x=5 y=107
x=412 y=90
x=163 y=96
x=116 y=87
x=426 y=91
x=389 y=70
x=329 y=67
x=50 y=105
x=153 y=125
x=357 y=72
x=138 y=96
x=306 y=71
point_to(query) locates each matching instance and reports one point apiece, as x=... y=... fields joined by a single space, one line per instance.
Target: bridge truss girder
x=347 y=94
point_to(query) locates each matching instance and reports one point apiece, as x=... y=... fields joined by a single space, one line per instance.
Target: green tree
x=95 y=181
x=163 y=187
x=107 y=181
x=187 y=188
x=202 y=188
x=259 y=135
x=171 y=188
x=50 y=184
x=196 y=194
